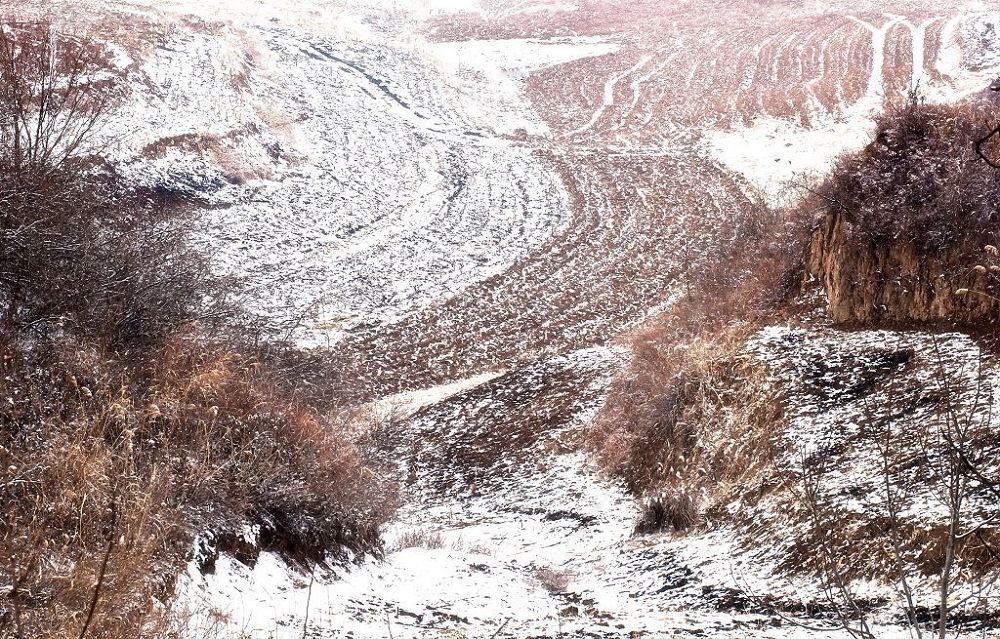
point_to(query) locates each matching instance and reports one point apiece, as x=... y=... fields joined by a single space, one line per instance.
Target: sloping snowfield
x=359 y=179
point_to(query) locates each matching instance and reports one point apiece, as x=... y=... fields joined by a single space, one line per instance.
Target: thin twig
x=100 y=575
x=305 y=623
x=500 y=629
x=981 y=142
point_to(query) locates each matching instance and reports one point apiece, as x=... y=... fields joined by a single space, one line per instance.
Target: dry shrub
x=95 y=457
x=236 y=169
x=554 y=580
x=52 y=96
x=865 y=545
x=420 y=538
x=290 y=470
x=752 y=270
x=678 y=510
x=186 y=142
x=691 y=416
x=139 y=411
x=921 y=180
x=434 y=540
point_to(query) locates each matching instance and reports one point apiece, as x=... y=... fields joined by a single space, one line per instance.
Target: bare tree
x=993 y=133
x=78 y=248
x=52 y=101
x=54 y=94
x=834 y=579
x=951 y=456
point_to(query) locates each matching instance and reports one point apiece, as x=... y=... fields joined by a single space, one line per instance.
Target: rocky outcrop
x=875 y=281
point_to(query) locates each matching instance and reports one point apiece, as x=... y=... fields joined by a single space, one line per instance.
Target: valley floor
x=513 y=533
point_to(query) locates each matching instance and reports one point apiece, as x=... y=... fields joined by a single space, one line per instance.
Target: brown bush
x=690 y=414
x=418 y=538
x=921 y=180
x=907 y=218
x=140 y=411
x=553 y=580
x=678 y=510
x=79 y=249
x=86 y=252
x=91 y=456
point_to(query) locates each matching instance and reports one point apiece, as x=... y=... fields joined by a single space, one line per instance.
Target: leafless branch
x=980 y=143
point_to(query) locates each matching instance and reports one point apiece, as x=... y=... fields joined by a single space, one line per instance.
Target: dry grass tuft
x=678 y=510
x=692 y=422
x=689 y=424
x=554 y=580
x=419 y=538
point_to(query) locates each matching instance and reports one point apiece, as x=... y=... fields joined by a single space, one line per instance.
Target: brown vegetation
x=690 y=419
x=138 y=412
x=94 y=454
x=907 y=217
x=554 y=580
x=678 y=510
x=420 y=538
x=949 y=453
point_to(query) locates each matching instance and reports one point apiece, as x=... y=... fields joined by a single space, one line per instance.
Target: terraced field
x=439 y=190
x=694 y=115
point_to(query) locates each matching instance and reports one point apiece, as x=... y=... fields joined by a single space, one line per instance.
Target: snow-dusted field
x=439 y=190
x=468 y=202
x=360 y=178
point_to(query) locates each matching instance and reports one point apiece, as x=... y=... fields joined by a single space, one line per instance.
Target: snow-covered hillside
x=468 y=202
x=356 y=178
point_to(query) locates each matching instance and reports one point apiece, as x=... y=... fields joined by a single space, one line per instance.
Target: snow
x=826 y=374
x=778 y=157
x=542 y=7
x=406 y=403
x=316 y=228
x=504 y=65
x=970 y=55
x=550 y=514
x=540 y=507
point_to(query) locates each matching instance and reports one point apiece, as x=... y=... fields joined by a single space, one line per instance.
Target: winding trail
x=609 y=94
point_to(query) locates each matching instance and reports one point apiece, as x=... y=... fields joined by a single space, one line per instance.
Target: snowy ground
x=518 y=533
x=355 y=178
x=507 y=532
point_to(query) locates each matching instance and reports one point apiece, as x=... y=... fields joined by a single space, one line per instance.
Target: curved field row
x=356 y=183
x=372 y=192
x=626 y=138
x=783 y=61
x=636 y=228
